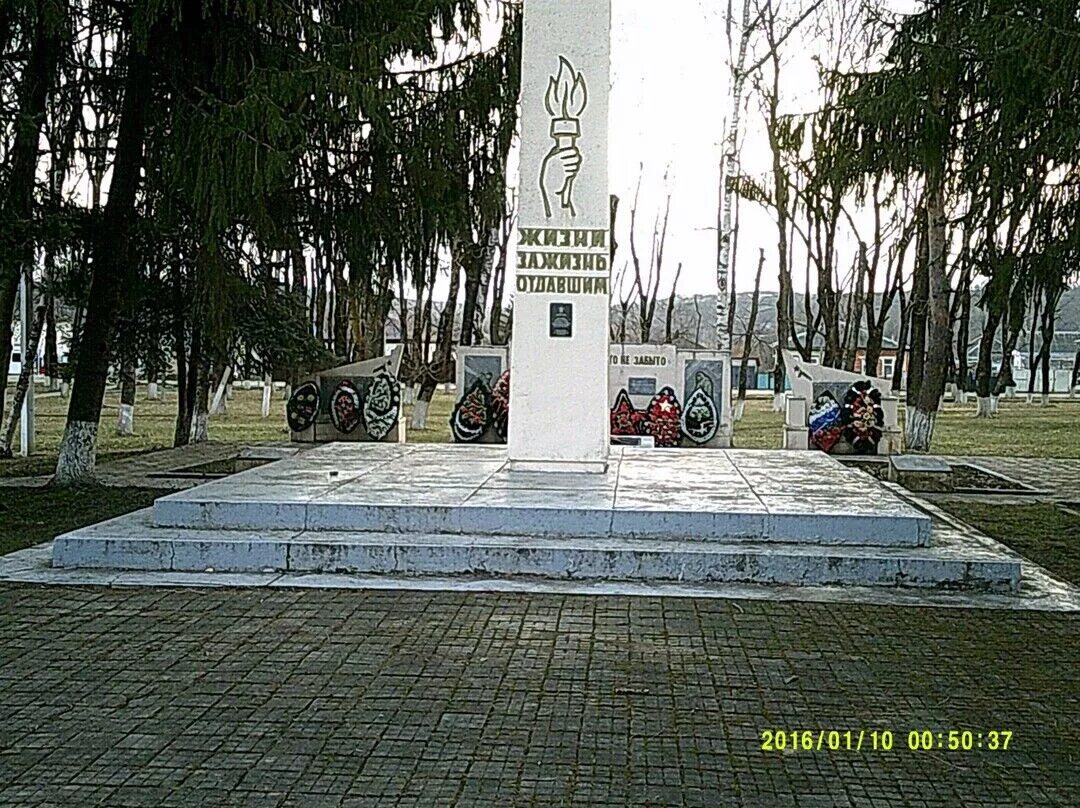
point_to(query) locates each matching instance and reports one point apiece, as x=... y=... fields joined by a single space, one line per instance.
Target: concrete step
x=134 y=542
x=895 y=525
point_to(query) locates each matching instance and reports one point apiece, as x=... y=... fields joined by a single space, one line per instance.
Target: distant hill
x=695 y=318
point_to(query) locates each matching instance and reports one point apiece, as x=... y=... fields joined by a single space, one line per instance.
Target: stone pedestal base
x=557 y=467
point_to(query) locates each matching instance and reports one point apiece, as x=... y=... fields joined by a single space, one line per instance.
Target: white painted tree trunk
x=153 y=392
x=1030 y=398
x=24 y=388
x=78 y=453
x=65 y=388
x=993 y=405
x=419 y=415
x=739 y=409
x=919 y=430
x=724 y=257
x=1046 y=399
x=983 y=408
x=218 y=405
x=125 y=424
x=268 y=389
x=286 y=391
x=408 y=394
x=200 y=432
x=778 y=401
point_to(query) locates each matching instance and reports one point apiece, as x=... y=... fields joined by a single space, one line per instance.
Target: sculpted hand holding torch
x=566 y=100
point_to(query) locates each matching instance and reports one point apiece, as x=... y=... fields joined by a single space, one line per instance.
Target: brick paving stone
x=321 y=697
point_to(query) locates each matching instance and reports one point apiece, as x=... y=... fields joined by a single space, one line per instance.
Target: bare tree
x=766 y=18
x=498 y=331
x=625 y=293
x=748 y=340
x=669 y=321
x=440 y=369
x=647 y=280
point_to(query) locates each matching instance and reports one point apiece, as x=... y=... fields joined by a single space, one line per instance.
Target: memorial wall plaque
x=561 y=320
x=486 y=368
x=641 y=386
x=714 y=369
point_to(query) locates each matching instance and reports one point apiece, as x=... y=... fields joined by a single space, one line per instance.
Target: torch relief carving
x=566 y=100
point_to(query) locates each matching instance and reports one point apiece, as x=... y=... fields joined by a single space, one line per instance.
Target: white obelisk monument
x=559 y=417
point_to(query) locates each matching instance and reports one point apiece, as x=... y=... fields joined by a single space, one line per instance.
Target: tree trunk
x=319 y=300
x=113 y=264
x=1010 y=337
x=126 y=423
x=374 y=313
x=472 y=258
x=785 y=301
x=52 y=358
x=299 y=269
x=984 y=366
x=440 y=369
x=26 y=378
x=341 y=311
x=267 y=394
x=496 y=319
x=1036 y=314
x=423 y=403
x=962 y=336
x=900 y=367
x=875 y=333
x=1049 y=318
x=219 y=407
x=853 y=327
x=669 y=318
x=187 y=365
x=17 y=193
x=784 y=308
x=200 y=431
x=725 y=256
x=917 y=316
x=920 y=424
x=751 y=322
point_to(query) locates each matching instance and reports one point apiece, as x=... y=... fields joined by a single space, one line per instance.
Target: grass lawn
x=438 y=420
x=1020 y=430
x=29 y=516
x=1041 y=532
x=154 y=425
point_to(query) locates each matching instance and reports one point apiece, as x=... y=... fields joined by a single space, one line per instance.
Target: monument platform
x=656 y=515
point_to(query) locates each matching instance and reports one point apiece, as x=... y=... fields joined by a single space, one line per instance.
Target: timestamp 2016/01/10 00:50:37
x=807 y=740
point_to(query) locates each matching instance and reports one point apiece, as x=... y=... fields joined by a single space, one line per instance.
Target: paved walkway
x=166 y=697
x=1059 y=478
x=150 y=470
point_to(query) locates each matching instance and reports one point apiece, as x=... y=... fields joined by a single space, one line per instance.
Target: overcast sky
x=669 y=100
x=669 y=103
